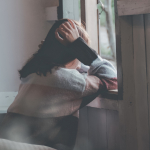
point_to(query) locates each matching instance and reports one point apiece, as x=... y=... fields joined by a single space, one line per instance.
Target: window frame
x=114 y=94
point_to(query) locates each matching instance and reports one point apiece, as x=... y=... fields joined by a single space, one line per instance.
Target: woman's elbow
x=110 y=84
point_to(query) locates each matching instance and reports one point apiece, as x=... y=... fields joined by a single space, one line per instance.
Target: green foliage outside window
x=103 y=15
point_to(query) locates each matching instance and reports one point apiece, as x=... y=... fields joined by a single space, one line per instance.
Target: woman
x=53 y=88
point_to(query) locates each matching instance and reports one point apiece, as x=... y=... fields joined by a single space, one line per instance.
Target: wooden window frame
x=118 y=53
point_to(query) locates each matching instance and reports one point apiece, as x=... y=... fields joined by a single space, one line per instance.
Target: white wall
x=22 y=27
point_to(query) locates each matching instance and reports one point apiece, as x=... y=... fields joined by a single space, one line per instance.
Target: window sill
x=106 y=100
x=112 y=95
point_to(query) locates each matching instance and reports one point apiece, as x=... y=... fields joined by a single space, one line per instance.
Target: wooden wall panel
x=127 y=107
x=133 y=7
x=134 y=109
x=118 y=53
x=147 y=54
x=112 y=129
x=83 y=14
x=82 y=135
x=104 y=103
x=91 y=22
x=140 y=82
x=97 y=129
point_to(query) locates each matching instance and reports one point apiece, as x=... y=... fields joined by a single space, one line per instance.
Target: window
x=107 y=30
x=90 y=15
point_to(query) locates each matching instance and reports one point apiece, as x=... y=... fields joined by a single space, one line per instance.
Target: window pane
x=107 y=30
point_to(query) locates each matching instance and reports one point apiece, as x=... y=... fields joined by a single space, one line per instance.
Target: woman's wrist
x=82 y=51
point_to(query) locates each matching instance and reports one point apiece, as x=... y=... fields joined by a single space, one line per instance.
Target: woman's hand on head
x=69 y=33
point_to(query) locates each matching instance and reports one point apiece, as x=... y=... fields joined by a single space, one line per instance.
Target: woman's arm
x=99 y=67
x=101 y=71
x=83 y=68
x=101 y=75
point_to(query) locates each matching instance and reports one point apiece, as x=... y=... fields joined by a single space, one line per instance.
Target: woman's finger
x=68 y=25
x=65 y=24
x=65 y=27
x=62 y=32
x=72 y=24
x=61 y=40
x=58 y=37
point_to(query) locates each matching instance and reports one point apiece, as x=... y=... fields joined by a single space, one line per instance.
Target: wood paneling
x=112 y=119
x=83 y=14
x=134 y=109
x=98 y=129
x=133 y=7
x=140 y=82
x=118 y=53
x=100 y=102
x=147 y=54
x=91 y=22
x=83 y=127
x=127 y=107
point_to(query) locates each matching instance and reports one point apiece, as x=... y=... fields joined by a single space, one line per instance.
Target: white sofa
x=11 y=145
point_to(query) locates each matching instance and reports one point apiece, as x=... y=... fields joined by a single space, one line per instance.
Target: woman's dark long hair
x=52 y=52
